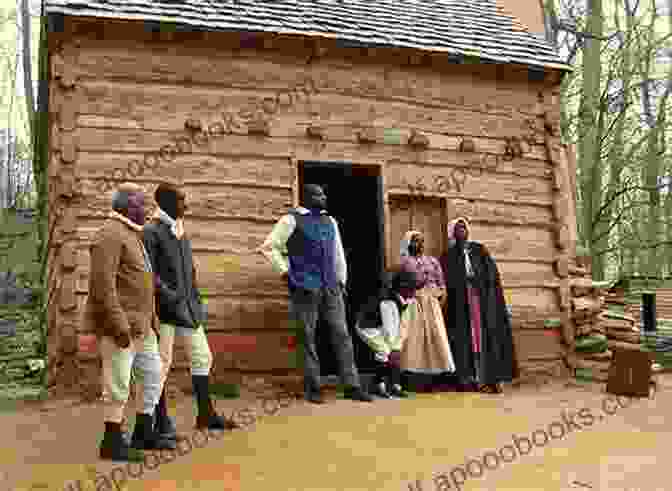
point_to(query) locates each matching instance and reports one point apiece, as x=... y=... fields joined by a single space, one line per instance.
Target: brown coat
x=121 y=293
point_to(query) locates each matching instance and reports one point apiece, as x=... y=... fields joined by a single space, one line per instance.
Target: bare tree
x=27 y=64
x=621 y=171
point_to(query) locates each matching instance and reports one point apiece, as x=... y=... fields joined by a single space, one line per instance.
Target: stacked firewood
x=601 y=326
x=591 y=355
x=621 y=329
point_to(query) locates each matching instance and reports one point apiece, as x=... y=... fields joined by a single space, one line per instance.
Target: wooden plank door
x=424 y=214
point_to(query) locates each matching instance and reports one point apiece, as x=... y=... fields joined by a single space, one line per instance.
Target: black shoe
x=213 y=421
x=380 y=390
x=115 y=448
x=314 y=398
x=397 y=391
x=207 y=416
x=357 y=394
x=164 y=425
x=145 y=438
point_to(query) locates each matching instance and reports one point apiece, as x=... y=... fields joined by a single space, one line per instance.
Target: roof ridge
x=514 y=18
x=456 y=27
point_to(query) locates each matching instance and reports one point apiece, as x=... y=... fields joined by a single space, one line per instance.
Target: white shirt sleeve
x=390 y=318
x=341 y=265
x=274 y=247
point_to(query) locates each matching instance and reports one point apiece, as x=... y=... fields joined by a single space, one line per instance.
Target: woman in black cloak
x=478 y=325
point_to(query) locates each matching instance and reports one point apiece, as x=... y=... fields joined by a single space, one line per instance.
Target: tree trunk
x=40 y=139
x=617 y=150
x=591 y=172
x=27 y=64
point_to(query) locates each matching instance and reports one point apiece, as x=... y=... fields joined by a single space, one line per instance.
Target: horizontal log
x=273 y=71
x=584 y=329
x=585 y=316
x=190 y=169
x=589 y=304
x=97 y=140
x=443 y=179
x=273 y=351
x=225 y=237
x=252 y=350
x=239 y=276
x=513 y=273
x=538 y=344
x=628 y=337
x=618 y=317
x=231 y=275
x=542 y=299
x=166 y=108
x=536 y=371
x=205 y=201
x=503 y=212
x=620 y=345
x=616 y=325
x=582 y=285
x=393 y=135
x=239 y=312
x=578 y=271
x=604 y=356
x=523 y=242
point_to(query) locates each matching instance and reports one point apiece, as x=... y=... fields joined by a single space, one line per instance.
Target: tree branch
x=27 y=64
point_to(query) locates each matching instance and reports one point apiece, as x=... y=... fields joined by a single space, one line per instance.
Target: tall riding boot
x=207 y=417
x=164 y=426
x=380 y=382
x=144 y=436
x=115 y=448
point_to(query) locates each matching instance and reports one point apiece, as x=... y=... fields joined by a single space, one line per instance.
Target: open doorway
x=355 y=200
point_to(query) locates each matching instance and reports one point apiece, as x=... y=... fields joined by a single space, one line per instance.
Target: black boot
x=355 y=393
x=396 y=389
x=380 y=385
x=207 y=417
x=115 y=448
x=380 y=389
x=144 y=436
x=164 y=425
x=315 y=397
x=312 y=392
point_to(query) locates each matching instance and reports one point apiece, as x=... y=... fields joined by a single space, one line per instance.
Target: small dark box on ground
x=630 y=374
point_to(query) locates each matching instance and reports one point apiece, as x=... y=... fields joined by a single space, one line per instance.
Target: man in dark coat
x=180 y=309
x=478 y=325
x=305 y=248
x=120 y=310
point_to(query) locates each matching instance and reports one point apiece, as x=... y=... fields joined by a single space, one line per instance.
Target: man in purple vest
x=305 y=248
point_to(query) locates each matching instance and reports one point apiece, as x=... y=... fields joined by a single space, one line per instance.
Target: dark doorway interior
x=355 y=200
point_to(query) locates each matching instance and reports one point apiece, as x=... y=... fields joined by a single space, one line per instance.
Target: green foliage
x=18 y=247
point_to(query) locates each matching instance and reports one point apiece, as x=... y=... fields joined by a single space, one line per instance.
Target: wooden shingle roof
x=460 y=28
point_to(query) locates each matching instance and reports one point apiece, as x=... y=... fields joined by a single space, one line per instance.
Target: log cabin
x=410 y=113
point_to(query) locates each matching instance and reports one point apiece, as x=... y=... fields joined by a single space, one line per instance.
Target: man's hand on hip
x=123 y=339
x=343 y=290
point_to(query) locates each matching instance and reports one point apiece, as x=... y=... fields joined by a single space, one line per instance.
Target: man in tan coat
x=121 y=309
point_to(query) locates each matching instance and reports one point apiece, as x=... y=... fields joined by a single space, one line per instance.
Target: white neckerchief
x=467 y=261
x=176 y=226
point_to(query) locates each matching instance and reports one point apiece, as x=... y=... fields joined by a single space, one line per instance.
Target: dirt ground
x=389 y=445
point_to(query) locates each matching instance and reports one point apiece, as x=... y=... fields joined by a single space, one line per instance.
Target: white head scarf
x=406 y=242
x=451 y=242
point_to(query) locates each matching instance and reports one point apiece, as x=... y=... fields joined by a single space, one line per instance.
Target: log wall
x=131 y=106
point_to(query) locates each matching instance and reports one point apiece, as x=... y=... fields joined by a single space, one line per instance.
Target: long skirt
x=426 y=349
